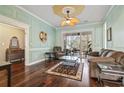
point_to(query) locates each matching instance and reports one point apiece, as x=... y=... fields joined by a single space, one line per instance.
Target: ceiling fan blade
x=63 y=23
x=75 y=20
x=71 y=24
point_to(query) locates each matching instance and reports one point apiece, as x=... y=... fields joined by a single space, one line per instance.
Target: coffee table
x=69 y=60
x=110 y=69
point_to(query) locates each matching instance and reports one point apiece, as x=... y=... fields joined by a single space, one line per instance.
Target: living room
x=43 y=32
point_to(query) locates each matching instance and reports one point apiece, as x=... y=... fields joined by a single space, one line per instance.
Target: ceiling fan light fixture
x=68 y=21
x=68 y=12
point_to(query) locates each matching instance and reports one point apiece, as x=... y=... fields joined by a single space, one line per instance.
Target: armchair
x=58 y=52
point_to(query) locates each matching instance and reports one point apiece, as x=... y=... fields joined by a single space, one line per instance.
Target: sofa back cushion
x=105 y=52
x=117 y=56
x=101 y=51
x=110 y=53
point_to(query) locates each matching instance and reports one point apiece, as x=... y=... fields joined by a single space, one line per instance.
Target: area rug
x=72 y=72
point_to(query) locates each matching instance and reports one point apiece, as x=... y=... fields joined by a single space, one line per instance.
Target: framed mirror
x=109 y=34
x=43 y=36
x=14 y=43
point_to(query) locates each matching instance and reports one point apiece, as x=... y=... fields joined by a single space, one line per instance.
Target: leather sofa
x=105 y=55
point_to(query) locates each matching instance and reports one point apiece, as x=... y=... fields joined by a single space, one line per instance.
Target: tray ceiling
x=90 y=14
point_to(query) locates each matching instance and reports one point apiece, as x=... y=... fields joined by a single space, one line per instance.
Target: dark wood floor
x=35 y=76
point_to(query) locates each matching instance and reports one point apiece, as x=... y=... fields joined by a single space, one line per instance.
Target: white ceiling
x=91 y=13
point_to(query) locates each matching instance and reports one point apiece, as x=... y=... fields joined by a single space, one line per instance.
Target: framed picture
x=109 y=34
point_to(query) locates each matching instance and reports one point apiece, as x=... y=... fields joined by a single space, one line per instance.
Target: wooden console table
x=13 y=55
x=7 y=66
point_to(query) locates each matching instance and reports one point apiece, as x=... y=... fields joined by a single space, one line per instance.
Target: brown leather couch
x=105 y=55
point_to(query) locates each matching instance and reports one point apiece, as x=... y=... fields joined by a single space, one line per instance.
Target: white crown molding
x=107 y=14
x=35 y=16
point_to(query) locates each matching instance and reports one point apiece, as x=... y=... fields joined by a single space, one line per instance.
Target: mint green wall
x=37 y=48
x=116 y=20
x=97 y=34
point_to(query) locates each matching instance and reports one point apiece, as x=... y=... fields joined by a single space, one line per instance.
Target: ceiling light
x=68 y=20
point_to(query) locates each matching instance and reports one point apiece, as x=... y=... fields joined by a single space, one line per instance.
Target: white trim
x=105 y=36
x=13 y=22
x=35 y=16
x=75 y=31
x=110 y=9
x=35 y=62
x=37 y=49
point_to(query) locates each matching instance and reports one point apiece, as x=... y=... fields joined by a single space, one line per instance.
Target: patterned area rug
x=73 y=72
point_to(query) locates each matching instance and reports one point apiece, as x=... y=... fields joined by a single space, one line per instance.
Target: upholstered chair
x=58 y=52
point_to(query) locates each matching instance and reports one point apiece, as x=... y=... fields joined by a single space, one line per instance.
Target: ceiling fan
x=71 y=21
x=68 y=13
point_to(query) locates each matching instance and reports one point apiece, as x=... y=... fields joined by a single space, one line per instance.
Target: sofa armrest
x=95 y=53
x=101 y=59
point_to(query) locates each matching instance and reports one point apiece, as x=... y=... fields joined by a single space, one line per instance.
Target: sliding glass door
x=72 y=41
x=78 y=43
x=86 y=42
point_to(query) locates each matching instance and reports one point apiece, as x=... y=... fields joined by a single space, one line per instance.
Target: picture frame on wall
x=109 y=34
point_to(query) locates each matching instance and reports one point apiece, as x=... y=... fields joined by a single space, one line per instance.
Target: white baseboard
x=35 y=62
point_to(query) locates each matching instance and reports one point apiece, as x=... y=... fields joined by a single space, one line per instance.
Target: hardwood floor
x=35 y=76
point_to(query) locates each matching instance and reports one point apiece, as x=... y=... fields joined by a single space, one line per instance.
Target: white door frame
x=75 y=31
x=13 y=22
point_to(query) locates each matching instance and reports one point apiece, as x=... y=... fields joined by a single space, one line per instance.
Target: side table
x=110 y=69
x=49 y=55
x=7 y=66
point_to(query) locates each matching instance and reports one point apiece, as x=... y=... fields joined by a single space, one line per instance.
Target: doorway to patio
x=78 y=43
